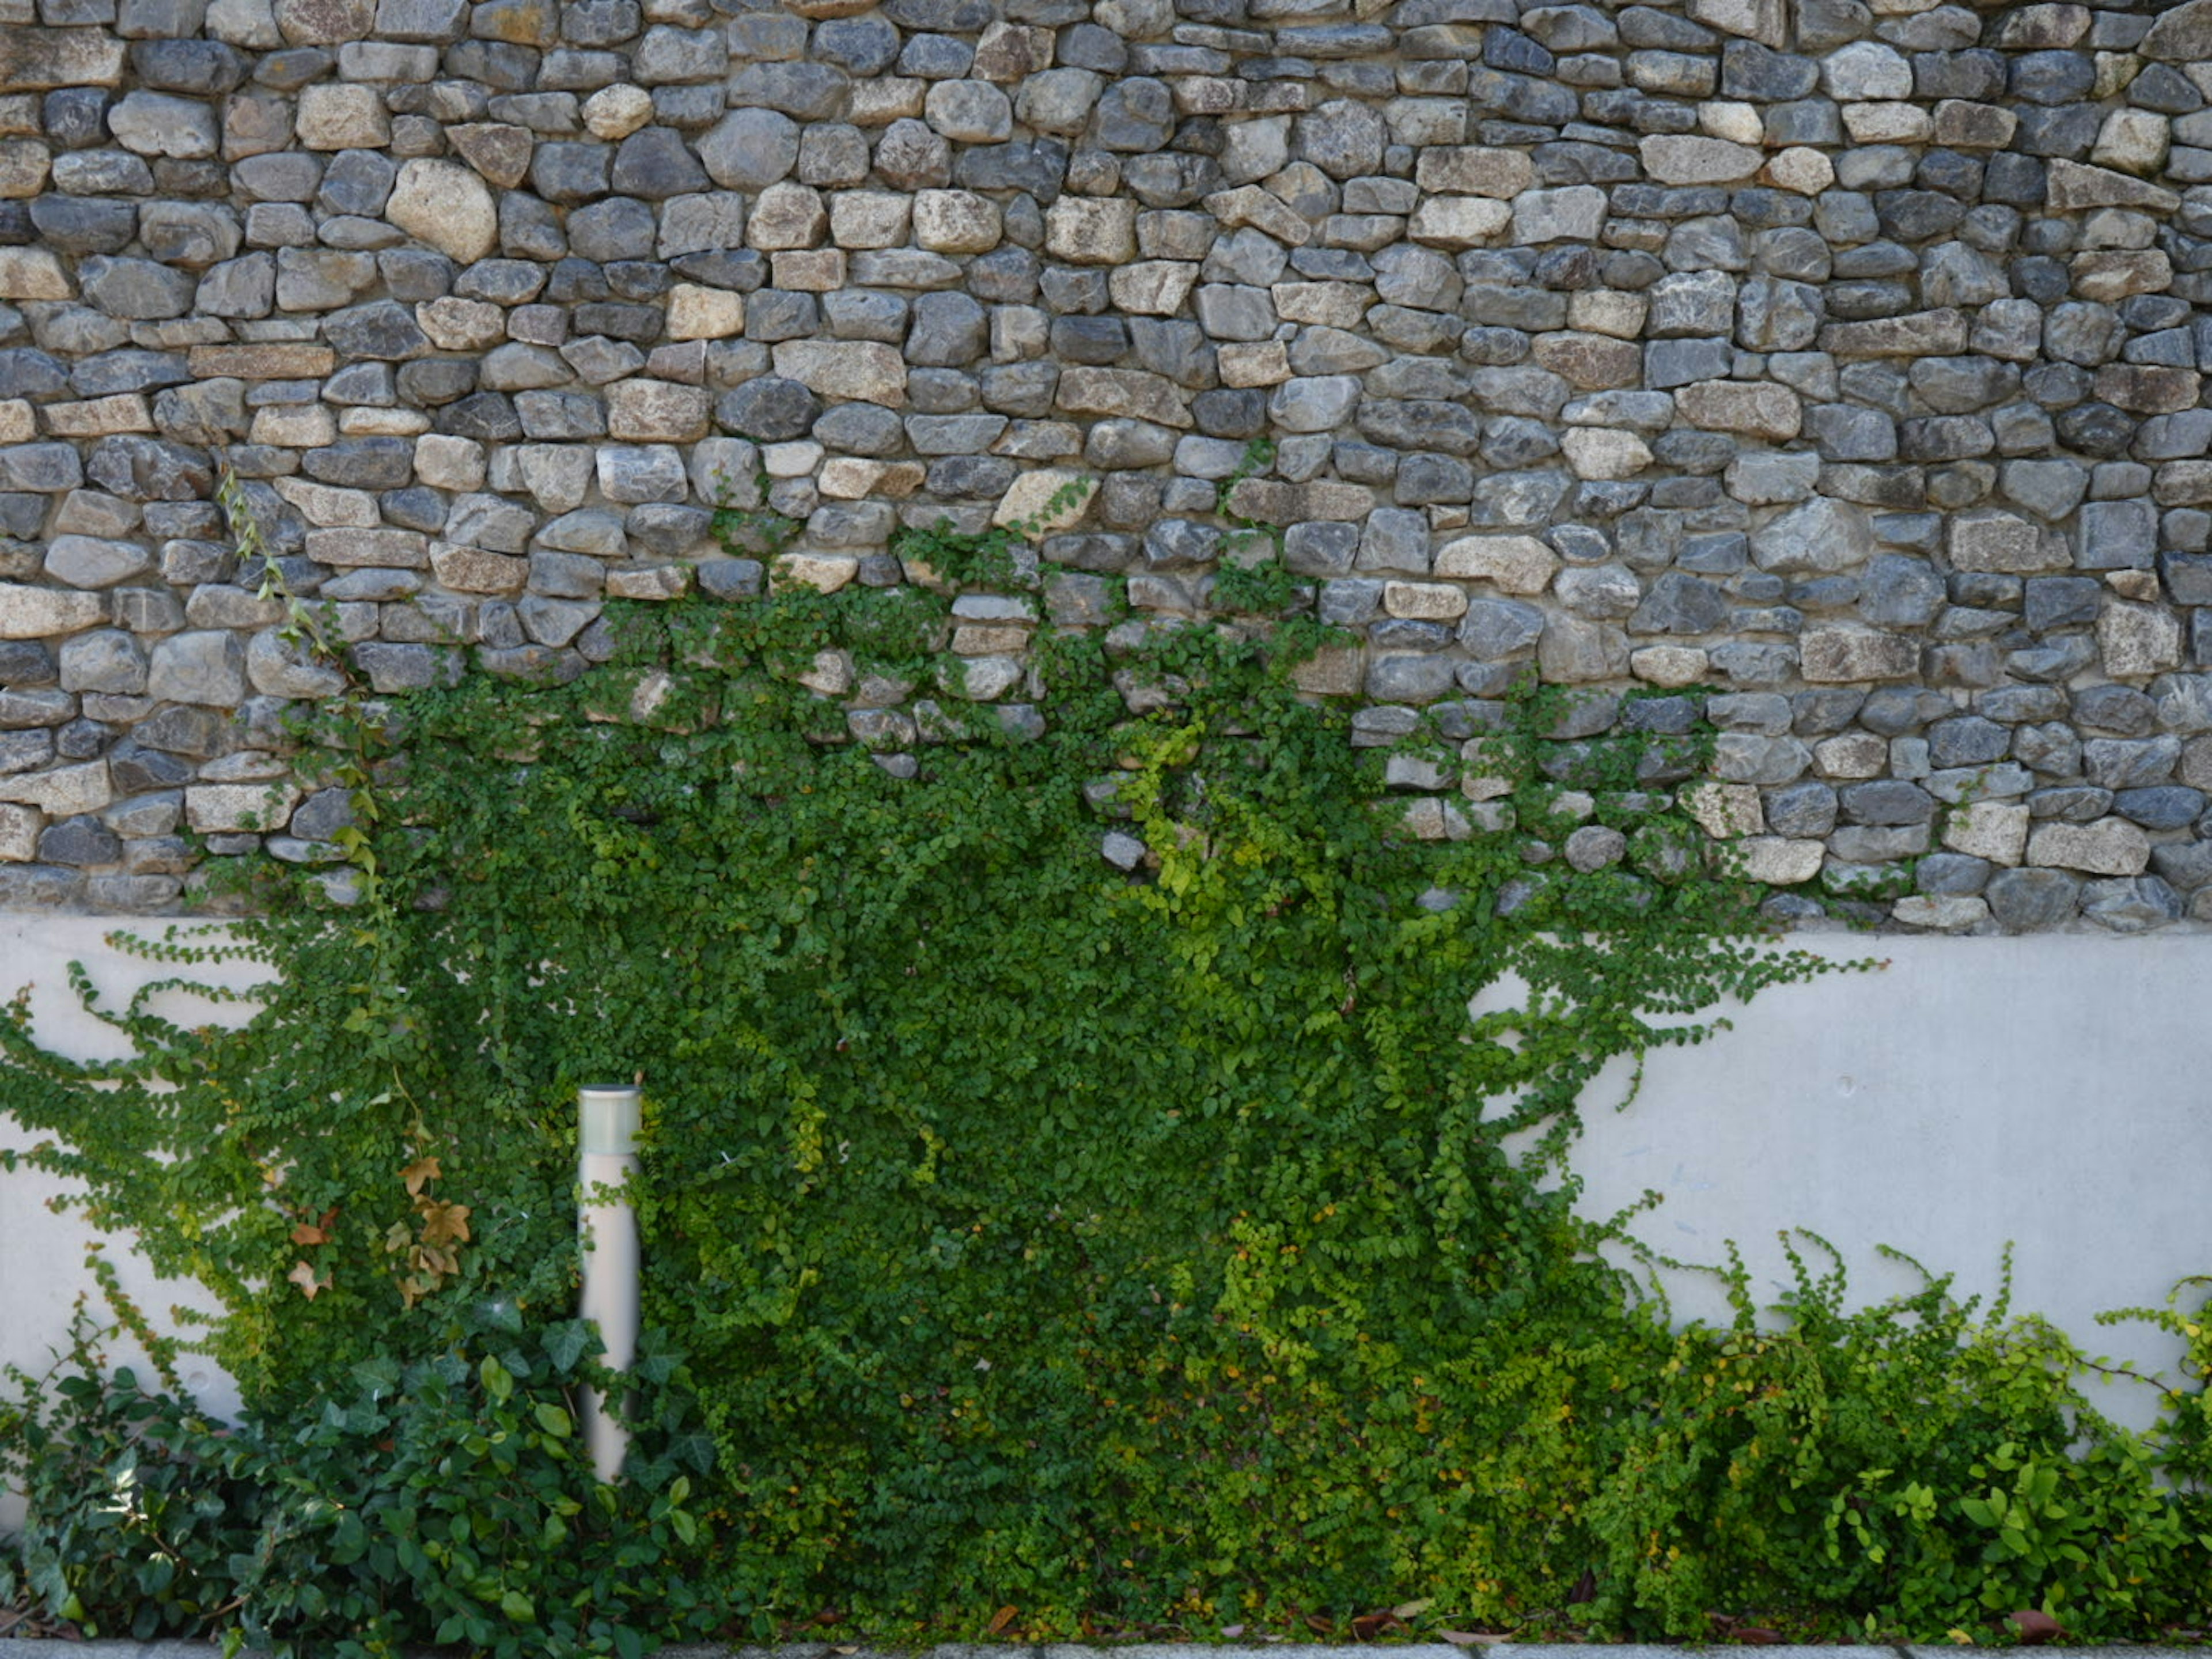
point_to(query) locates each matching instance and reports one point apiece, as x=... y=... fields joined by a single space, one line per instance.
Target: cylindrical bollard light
x=607 y=1159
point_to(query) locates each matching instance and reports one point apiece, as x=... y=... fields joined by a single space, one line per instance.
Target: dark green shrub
x=449 y=1502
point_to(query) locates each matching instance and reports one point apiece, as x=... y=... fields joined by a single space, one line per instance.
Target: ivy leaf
x=304 y=1277
x=444 y=1224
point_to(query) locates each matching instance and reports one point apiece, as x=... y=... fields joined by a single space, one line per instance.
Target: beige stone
x=954 y=221
x=1669 y=665
x=1608 y=311
x=879 y=103
x=498 y=149
x=1249 y=204
x=1688 y=159
x=1774 y=861
x=1763 y=21
x=1027 y=496
x=786 y=215
x=19 y=421
x=2137 y=640
x=273 y=361
x=24 y=164
x=40 y=57
x=1940 y=333
x=1008 y=51
x=615 y=112
x=1738 y=123
x=825 y=573
x=456 y=324
x=366 y=422
x=1474 y=170
x=1854 y=755
x=657 y=411
x=1152 y=288
x=1459 y=221
x=342 y=115
x=32 y=273
x=1087 y=230
x=1839 y=655
x=864 y=370
x=326 y=506
x=1989 y=540
x=1992 y=829
x=1425 y=601
x=653 y=582
x=2074 y=186
x=293 y=426
x=1574 y=650
x=1123 y=392
x=447 y=205
x=869 y=218
x=808 y=269
x=449 y=463
x=696 y=313
x=1725 y=811
x=473 y=570
x=1512 y=564
x=2109 y=275
x=97 y=417
x=399 y=549
x=1945 y=914
x=1274 y=500
x=19 y=833
x=1329 y=305
x=219 y=808
x=31 y=613
x=1759 y=409
x=1604 y=452
x=1265 y=364
x=2133 y=141
x=1887 y=123
x=61 y=791
x=1332 y=671
x=1589 y=362
x=1802 y=170
x=2109 y=847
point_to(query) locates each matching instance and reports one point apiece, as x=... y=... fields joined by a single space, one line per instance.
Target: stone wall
x=1841 y=354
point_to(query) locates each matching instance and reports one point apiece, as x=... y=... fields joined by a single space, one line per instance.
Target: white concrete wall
x=42 y=1270
x=2050 y=1092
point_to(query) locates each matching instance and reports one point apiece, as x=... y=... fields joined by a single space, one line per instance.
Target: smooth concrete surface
x=42 y=1271
x=2054 y=1092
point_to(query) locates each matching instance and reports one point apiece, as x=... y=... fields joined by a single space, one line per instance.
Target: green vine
x=1074 y=1173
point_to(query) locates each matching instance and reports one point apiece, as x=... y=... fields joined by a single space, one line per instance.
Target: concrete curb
x=33 y=1648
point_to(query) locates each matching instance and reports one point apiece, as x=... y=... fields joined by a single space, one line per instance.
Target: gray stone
x=206 y=667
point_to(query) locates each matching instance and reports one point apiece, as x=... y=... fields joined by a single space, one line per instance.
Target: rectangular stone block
x=397 y=549
x=2005 y=543
x=271 y=361
x=33 y=58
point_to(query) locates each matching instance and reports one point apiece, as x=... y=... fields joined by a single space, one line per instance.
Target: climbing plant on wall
x=1074 y=1170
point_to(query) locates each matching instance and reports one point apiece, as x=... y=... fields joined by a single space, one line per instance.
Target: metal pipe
x=607 y=1159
